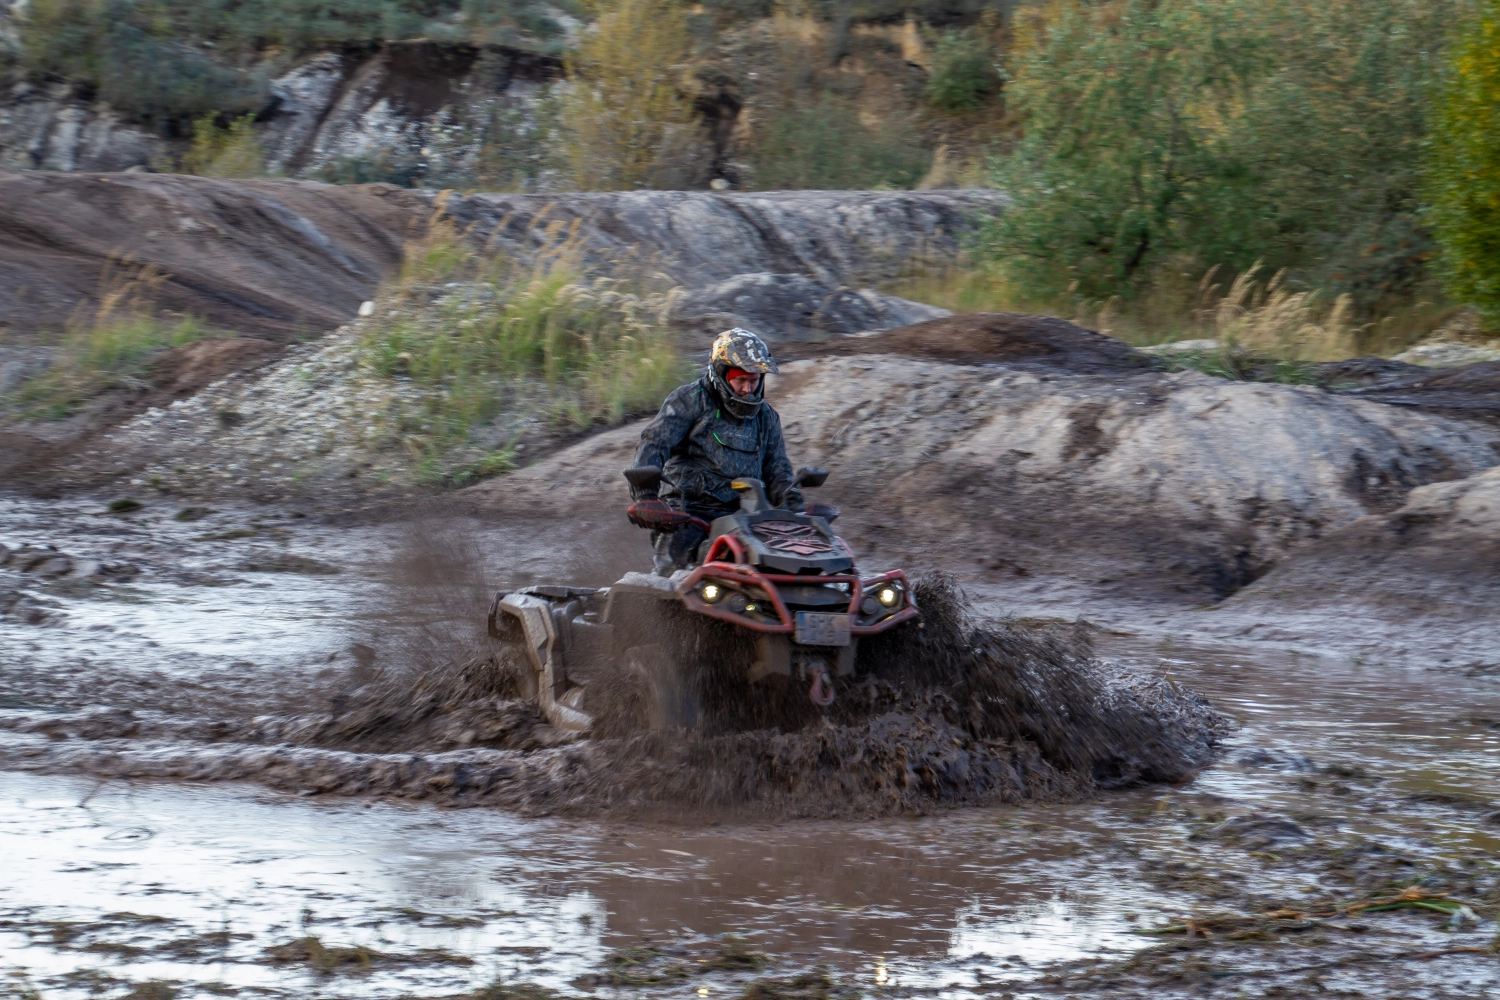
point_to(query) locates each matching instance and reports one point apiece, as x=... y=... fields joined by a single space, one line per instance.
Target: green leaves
x=1163 y=137
x=1464 y=167
x=963 y=72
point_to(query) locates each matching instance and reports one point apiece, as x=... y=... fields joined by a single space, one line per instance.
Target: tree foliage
x=963 y=71
x=1464 y=167
x=1175 y=135
x=629 y=122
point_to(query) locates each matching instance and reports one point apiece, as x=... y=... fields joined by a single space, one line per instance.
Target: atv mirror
x=811 y=476
x=643 y=477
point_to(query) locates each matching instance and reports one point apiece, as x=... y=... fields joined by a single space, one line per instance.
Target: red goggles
x=735 y=373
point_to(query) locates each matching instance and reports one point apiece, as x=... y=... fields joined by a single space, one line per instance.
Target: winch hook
x=821 y=692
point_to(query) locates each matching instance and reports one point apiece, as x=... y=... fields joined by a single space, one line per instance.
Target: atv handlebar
x=644 y=478
x=647 y=479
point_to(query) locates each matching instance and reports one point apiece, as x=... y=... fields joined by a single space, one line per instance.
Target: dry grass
x=1271 y=321
x=1250 y=315
x=232 y=151
x=110 y=347
x=629 y=123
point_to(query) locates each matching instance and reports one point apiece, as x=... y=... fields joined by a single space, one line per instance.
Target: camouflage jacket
x=701 y=447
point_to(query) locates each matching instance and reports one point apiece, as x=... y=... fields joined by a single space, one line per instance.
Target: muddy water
x=108 y=883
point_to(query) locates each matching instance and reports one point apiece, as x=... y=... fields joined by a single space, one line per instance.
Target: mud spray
x=956 y=712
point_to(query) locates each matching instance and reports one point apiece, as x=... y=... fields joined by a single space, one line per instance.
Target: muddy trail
x=417 y=703
x=1332 y=831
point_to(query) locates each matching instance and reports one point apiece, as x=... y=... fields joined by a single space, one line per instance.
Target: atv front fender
x=543 y=647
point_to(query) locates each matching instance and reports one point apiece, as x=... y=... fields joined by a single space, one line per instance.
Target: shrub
x=628 y=122
x=134 y=59
x=398 y=166
x=824 y=144
x=963 y=72
x=233 y=151
x=1464 y=167
x=1164 y=136
x=479 y=335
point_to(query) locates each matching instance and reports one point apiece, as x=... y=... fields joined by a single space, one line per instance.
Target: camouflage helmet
x=738 y=348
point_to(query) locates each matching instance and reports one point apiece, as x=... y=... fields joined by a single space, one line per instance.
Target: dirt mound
x=1137 y=482
x=957 y=713
x=1469 y=390
x=992 y=338
x=276 y=259
x=31 y=453
x=1433 y=560
x=182 y=371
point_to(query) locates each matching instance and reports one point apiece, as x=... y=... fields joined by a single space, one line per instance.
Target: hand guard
x=656 y=514
x=826 y=511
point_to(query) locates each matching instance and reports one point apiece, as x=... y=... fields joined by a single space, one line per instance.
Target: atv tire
x=665 y=695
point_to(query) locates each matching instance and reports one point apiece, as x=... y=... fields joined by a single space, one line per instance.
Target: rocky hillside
x=282 y=259
x=789 y=101
x=996 y=446
x=332 y=109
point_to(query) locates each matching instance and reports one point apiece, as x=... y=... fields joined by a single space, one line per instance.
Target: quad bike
x=782 y=580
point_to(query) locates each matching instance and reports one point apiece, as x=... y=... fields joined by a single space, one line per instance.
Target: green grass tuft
x=481 y=337
x=110 y=349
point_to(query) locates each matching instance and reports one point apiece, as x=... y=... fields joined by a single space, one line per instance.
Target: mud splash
x=961 y=712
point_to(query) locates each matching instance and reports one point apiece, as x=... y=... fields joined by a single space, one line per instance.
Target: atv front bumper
x=766 y=611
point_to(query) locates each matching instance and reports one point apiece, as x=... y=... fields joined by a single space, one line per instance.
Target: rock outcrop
x=1067 y=454
x=277 y=259
x=790 y=261
x=1434 y=558
x=412 y=107
x=283 y=259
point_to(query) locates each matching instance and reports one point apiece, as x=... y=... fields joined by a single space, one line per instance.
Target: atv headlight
x=711 y=592
x=888 y=596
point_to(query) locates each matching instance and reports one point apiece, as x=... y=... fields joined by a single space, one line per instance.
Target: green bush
x=134 y=59
x=231 y=151
x=1163 y=137
x=823 y=144
x=478 y=336
x=963 y=72
x=398 y=166
x=1464 y=168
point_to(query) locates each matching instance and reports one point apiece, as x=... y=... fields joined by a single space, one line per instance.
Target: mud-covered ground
x=1340 y=839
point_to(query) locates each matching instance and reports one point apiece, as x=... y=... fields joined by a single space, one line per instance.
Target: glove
x=826 y=511
x=656 y=514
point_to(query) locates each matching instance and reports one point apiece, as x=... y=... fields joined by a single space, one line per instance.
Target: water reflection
x=544 y=901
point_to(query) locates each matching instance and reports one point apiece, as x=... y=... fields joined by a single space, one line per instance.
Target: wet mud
x=1324 y=819
x=958 y=712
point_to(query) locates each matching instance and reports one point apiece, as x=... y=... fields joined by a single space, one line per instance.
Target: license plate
x=814 y=629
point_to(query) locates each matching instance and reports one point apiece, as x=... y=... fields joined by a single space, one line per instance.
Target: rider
x=709 y=433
